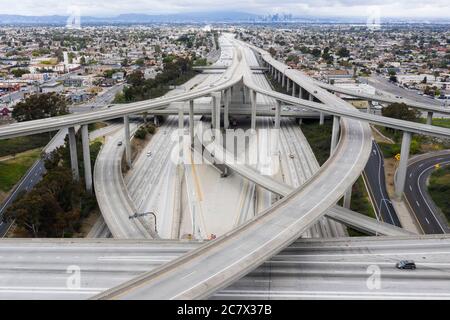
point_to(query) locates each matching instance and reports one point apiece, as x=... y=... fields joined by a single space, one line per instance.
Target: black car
x=406 y=265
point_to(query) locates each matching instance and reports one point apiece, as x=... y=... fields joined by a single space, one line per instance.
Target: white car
x=149 y=154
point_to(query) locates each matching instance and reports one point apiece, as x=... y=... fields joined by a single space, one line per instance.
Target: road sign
x=397 y=157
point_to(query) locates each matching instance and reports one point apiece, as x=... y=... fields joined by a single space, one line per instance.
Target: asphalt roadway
x=375 y=180
x=345 y=268
x=429 y=217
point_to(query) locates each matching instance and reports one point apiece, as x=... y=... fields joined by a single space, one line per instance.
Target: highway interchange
x=308 y=192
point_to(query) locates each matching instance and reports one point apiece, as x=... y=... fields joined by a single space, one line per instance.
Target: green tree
x=136 y=78
x=39 y=106
x=401 y=111
x=343 y=52
x=316 y=52
x=19 y=72
x=272 y=51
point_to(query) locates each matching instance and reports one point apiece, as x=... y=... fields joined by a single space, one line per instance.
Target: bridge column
x=191 y=121
x=226 y=115
x=401 y=173
x=216 y=106
x=321 y=118
x=300 y=92
x=335 y=134
x=293 y=89
x=244 y=95
x=277 y=114
x=288 y=84
x=347 y=198
x=126 y=123
x=180 y=117
x=253 y=97
x=430 y=118
x=283 y=80
x=73 y=154
x=213 y=112
x=86 y=158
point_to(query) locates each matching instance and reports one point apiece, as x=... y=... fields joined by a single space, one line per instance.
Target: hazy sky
x=387 y=8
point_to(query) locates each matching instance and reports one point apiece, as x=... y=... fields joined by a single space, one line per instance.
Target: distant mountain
x=197 y=17
x=132 y=18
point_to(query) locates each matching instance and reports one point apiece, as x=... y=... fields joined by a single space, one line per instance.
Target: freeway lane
x=429 y=217
x=375 y=178
x=382 y=84
x=309 y=268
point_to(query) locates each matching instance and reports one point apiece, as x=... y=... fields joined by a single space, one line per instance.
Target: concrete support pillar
x=126 y=123
x=300 y=92
x=369 y=106
x=288 y=84
x=86 y=158
x=293 y=89
x=180 y=117
x=253 y=97
x=73 y=154
x=191 y=121
x=348 y=198
x=216 y=106
x=430 y=118
x=277 y=115
x=401 y=172
x=321 y=118
x=311 y=97
x=226 y=111
x=335 y=133
x=213 y=112
x=283 y=80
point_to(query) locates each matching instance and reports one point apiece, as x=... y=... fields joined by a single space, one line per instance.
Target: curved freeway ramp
x=113 y=199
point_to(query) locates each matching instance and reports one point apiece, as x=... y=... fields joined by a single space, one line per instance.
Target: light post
x=137 y=215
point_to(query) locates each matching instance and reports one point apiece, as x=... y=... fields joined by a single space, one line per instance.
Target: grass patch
x=22 y=144
x=355 y=233
x=439 y=189
x=360 y=199
x=11 y=171
x=440 y=122
x=419 y=144
x=96 y=126
x=319 y=137
x=360 y=203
